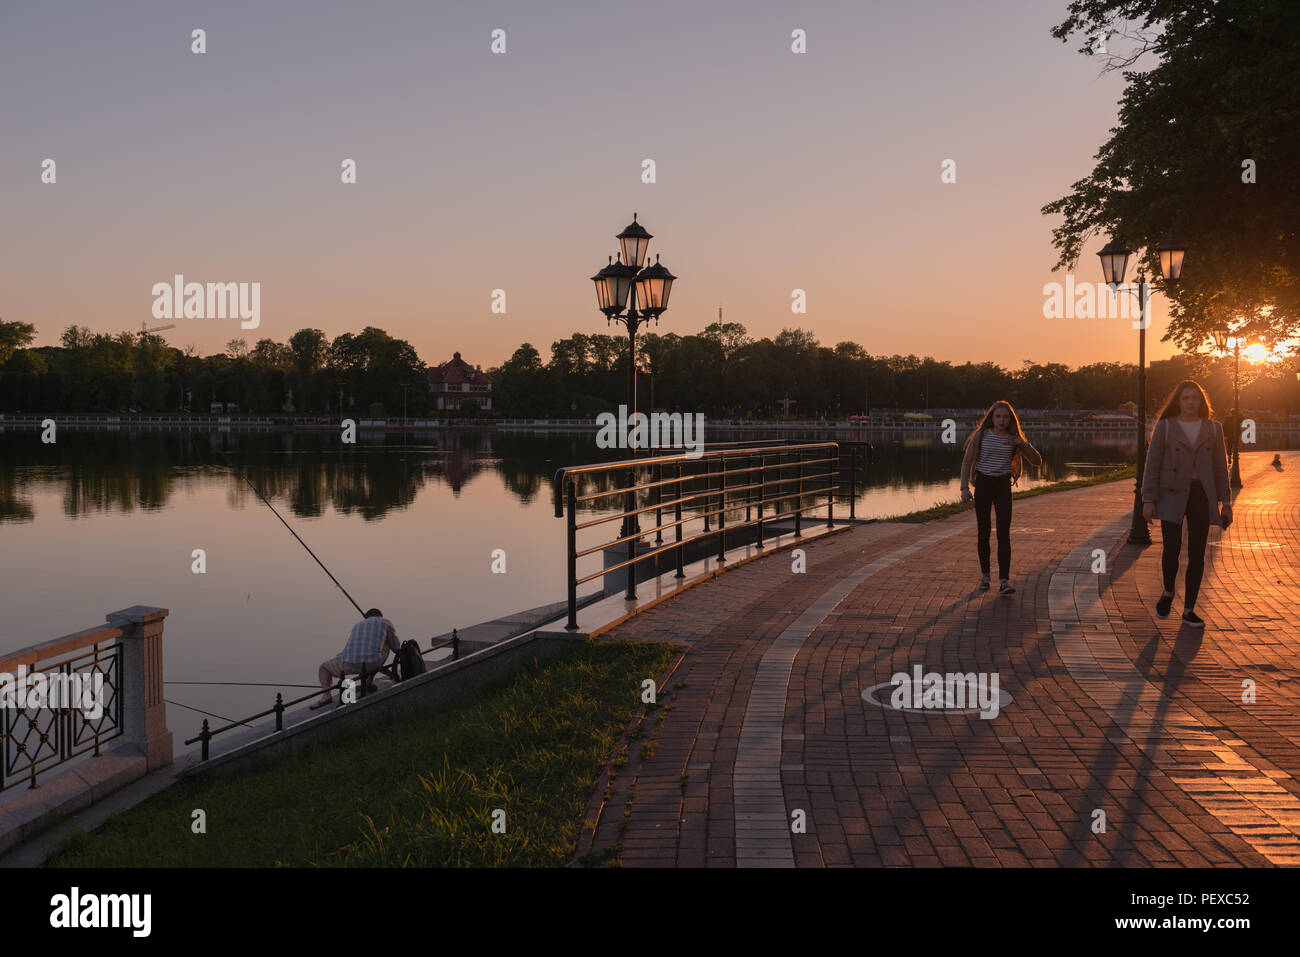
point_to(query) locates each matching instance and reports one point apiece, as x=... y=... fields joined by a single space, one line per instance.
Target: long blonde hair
x=987 y=423
x=1173 y=408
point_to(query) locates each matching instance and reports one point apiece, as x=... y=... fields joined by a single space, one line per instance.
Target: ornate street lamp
x=605 y=290
x=618 y=287
x=1114 y=261
x=1114 y=264
x=653 y=286
x=634 y=241
x=1171 y=253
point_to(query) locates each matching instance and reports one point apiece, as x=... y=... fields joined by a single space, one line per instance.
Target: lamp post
x=1114 y=263
x=1224 y=340
x=617 y=289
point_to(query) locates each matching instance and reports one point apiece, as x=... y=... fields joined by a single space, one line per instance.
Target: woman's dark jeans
x=994 y=491
x=1197 y=514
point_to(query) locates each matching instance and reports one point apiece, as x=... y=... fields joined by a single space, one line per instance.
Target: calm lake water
x=99 y=521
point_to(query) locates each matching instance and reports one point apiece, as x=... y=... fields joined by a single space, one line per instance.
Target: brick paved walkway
x=1109 y=715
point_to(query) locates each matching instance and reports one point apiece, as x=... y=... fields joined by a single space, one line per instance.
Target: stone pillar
x=144 y=714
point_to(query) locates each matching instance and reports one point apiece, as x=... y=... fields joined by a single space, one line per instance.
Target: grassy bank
x=420 y=793
x=952 y=508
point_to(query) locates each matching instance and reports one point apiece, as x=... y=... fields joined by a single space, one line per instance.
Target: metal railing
x=701 y=491
x=39 y=738
x=362 y=682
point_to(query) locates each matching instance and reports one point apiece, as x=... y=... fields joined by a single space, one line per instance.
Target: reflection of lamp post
x=1224 y=341
x=614 y=285
x=1114 y=263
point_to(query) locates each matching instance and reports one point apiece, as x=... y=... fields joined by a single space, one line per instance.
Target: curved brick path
x=1111 y=711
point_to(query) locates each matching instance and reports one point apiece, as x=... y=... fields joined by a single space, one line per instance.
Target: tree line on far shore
x=719 y=371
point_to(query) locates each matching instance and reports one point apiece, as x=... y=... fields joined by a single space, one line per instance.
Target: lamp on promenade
x=618 y=286
x=1224 y=341
x=1114 y=263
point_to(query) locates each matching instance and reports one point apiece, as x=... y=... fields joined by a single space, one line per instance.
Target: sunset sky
x=476 y=171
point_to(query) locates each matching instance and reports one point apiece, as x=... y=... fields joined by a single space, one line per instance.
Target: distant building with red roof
x=457 y=381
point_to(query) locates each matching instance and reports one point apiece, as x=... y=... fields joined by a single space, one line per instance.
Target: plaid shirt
x=367 y=641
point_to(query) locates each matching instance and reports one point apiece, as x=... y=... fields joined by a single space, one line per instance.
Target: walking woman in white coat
x=993 y=462
x=1186 y=477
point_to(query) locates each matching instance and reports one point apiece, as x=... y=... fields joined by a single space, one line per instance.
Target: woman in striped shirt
x=992 y=461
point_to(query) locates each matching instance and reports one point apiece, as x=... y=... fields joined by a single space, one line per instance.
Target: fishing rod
x=241 y=684
x=208 y=713
x=259 y=494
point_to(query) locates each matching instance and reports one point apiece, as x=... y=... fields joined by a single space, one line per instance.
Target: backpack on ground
x=409 y=661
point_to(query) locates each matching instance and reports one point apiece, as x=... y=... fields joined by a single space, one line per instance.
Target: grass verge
x=952 y=508
x=422 y=793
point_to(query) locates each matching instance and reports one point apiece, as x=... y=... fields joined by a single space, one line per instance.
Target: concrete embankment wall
x=453 y=685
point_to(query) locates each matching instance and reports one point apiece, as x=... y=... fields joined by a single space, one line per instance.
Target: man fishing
x=367 y=646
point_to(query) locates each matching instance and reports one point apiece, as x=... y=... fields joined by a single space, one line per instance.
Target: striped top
x=996 y=452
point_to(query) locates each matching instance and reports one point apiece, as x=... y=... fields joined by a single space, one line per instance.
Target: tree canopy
x=720 y=371
x=1206 y=147
x=14 y=336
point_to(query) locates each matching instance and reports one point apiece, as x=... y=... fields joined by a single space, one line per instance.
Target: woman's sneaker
x=1006 y=588
x=984 y=583
x=1192 y=620
x=1163 y=605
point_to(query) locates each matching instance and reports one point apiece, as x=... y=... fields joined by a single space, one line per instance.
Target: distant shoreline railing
x=883 y=422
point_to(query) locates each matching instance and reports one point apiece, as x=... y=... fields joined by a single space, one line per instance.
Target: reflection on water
x=312 y=472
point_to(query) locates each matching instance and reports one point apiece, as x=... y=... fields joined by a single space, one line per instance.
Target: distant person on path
x=993 y=461
x=1277 y=461
x=367 y=646
x=1186 y=477
x=1232 y=433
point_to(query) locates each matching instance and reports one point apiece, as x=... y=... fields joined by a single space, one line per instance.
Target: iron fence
x=60 y=726
x=703 y=491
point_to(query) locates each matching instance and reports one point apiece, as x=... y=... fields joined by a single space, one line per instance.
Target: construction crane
x=145 y=330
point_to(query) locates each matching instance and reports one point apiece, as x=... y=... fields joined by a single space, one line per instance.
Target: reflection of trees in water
x=311 y=472
x=124 y=470
x=528 y=461
x=98 y=471
x=462 y=456
x=13 y=508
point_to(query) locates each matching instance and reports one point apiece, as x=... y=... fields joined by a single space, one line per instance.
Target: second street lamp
x=1225 y=340
x=618 y=286
x=1114 y=263
x=1171 y=253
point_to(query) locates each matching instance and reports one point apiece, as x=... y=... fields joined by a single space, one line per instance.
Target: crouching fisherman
x=368 y=646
